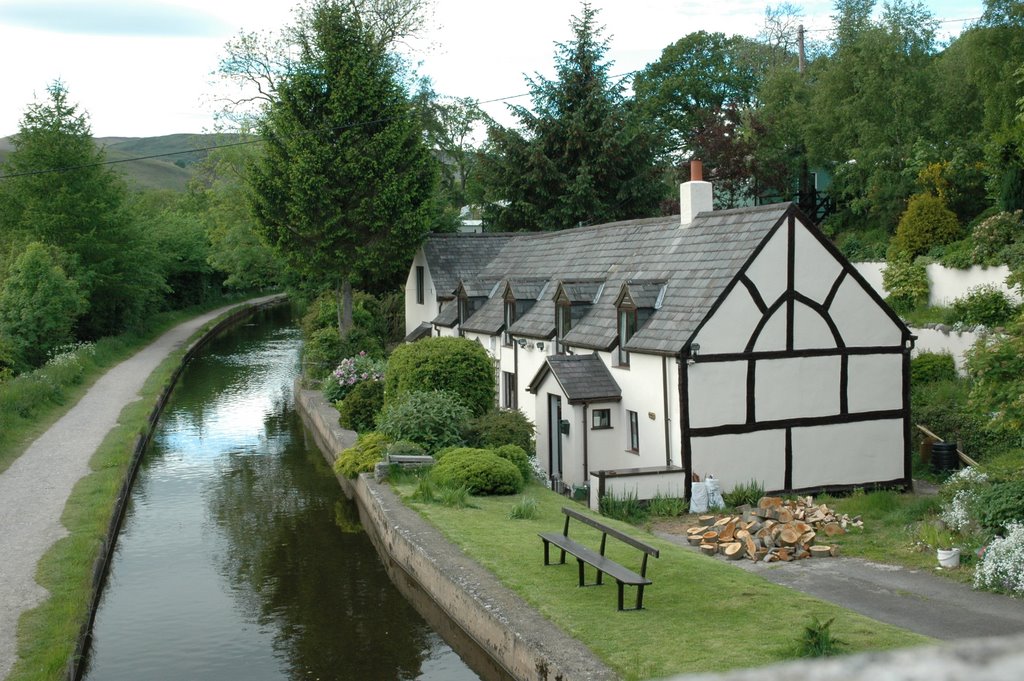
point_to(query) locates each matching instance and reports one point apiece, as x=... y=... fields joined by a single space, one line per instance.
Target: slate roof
x=456 y=256
x=583 y=378
x=449 y=314
x=695 y=263
x=489 y=318
x=424 y=330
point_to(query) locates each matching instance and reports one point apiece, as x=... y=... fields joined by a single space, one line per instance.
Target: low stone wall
x=520 y=643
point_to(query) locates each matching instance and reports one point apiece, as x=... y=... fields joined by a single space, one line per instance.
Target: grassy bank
x=31 y=402
x=701 y=614
x=47 y=635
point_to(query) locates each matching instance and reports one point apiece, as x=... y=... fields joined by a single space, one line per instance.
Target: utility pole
x=800 y=48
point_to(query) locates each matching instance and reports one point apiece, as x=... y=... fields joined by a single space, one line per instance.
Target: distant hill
x=172 y=167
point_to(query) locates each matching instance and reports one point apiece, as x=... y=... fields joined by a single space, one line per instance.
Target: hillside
x=171 y=169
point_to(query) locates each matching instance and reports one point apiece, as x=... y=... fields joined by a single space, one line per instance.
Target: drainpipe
x=583 y=429
x=668 y=425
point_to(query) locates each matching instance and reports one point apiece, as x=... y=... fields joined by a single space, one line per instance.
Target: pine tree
x=346 y=188
x=579 y=156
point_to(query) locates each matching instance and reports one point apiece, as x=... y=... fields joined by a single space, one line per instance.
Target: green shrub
x=992 y=235
x=863 y=245
x=518 y=457
x=480 y=471
x=433 y=420
x=906 y=281
x=321 y=352
x=501 y=427
x=405 y=448
x=985 y=305
x=958 y=255
x=526 y=508
x=363 y=456
x=1004 y=466
x=744 y=493
x=454 y=365
x=1000 y=504
x=358 y=411
x=666 y=507
x=927 y=222
x=626 y=508
x=350 y=372
x=929 y=367
x=996 y=367
x=817 y=640
x=943 y=408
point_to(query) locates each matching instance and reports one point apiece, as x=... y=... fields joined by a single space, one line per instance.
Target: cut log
x=741 y=535
x=696 y=529
x=709 y=549
x=768 y=502
x=833 y=529
x=728 y=533
x=802 y=527
x=734 y=550
x=788 y=536
x=751 y=546
x=710 y=537
x=695 y=540
x=784 y=554
x=754 y=526
x=821 y=551
x=783 y=514
x=807 y=538
x=706 y=520
x=723 y=521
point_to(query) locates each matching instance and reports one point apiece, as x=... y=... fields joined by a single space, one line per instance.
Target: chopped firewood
x=788 y=536
x=807 y=538
x=696 y=529
x=706 y=520
x=767 y=502
x=710 y=537
x=783 y=514
x=784 y=554
x=741 y=535
x=695 y=540
x=708 y=549
x=734 y=550
x=833 y=529
x=728 y=533
x=723 y=521
x=821 y=551
x=751 y=546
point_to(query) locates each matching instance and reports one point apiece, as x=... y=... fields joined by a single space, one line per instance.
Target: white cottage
x=736 y=343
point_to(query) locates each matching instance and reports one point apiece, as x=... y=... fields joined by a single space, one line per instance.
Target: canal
x=239 y=557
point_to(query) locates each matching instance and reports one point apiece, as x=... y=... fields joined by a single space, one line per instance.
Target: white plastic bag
x=699 y=498
x=714 y=488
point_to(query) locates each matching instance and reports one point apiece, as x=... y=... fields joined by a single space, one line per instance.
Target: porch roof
x=583 y=378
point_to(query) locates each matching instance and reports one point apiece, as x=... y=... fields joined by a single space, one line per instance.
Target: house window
x=634 y=432
x=602 y=418
x=463 y=313
x=419 y=285
x=563 y=324
x=627 y=327
x=508 y=390
x=510 y=318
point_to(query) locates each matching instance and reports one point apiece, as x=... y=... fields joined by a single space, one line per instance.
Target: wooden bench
x=597 y=559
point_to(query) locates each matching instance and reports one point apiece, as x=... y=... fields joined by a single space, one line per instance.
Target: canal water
x=239 y=557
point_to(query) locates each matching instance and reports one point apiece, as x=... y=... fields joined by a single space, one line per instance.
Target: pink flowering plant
x=351 y=372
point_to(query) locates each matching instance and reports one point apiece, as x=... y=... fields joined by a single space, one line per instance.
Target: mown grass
x=891 y=532
x=700 y=614
x=32 y=402
x=47 y=635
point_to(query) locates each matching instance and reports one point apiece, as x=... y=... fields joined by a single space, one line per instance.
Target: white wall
x=643 y=391
x=953 y=342
x=945 y=284
x=644 y=487
x=416 y=313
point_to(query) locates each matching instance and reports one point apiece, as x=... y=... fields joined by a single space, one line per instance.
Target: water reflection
x=239 y=557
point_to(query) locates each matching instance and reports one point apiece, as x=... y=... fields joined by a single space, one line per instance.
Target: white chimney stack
x=695 y=196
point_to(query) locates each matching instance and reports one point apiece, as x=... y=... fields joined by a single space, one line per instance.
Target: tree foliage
x=346 y=187
x=58 y=192
x=580 y=155
x=39 y=304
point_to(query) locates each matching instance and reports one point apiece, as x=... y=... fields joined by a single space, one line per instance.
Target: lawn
x=700 y=614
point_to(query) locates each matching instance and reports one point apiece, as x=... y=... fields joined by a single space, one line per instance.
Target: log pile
x=776 y=530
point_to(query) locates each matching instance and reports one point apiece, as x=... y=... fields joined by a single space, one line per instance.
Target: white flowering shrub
x=1002 y=563
x=961 y=491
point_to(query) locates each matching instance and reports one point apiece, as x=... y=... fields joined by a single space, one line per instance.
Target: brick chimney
x=695 y=196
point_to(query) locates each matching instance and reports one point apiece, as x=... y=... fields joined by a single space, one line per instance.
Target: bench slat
x=605 y=565
x=621 y=536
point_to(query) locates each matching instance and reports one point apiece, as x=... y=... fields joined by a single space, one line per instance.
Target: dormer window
x=463 y=313
x=510 y=319
x=563 y=324
x=627 y=327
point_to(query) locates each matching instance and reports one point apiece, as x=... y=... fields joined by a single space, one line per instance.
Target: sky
x=148 y=67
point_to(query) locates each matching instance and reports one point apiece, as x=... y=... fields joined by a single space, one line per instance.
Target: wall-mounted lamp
x=694 y=350
x=521 y=342
x=540 y=345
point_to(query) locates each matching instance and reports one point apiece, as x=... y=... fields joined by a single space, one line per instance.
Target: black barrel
x=944 y=457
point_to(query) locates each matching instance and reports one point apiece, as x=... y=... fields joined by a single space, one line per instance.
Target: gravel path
x=34 y=490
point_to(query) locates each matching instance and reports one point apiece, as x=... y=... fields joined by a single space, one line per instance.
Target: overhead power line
x=257 y=140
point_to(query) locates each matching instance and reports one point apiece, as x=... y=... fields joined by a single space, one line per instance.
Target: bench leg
x=582 y=581
x=621 y=586
x=640 y=597
x=547 y=560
